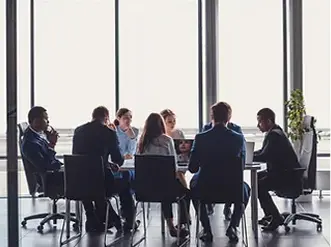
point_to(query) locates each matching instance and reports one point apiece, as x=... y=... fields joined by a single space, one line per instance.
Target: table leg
x=162 y=222
x=254 y=206
x=67 y=218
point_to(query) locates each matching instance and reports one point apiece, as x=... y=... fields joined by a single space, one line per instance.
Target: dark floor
x=302 y=235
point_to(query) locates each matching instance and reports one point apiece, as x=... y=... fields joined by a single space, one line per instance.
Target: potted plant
x=295 y=115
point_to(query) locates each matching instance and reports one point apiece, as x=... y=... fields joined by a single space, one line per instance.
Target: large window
x=74 y=52
x=250 y=58
x=158 y=59
x=316 y=60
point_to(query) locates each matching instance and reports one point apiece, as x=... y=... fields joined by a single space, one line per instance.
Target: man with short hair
x=209 y=148
x=278 y=153
x=235 y=128
x=97 y=138
x=38 y=143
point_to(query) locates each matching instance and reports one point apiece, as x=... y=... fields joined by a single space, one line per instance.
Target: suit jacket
x=37 y=151
x=96 y=139
x=211 y=147
x=231 y=126
x=277 y=152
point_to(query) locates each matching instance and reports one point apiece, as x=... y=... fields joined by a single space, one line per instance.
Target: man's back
x=213 y=146
x=97 y=139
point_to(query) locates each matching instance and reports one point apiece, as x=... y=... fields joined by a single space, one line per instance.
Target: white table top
x=129 y=165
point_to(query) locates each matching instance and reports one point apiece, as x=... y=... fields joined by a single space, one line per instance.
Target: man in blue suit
x=235 y=128
x=209 y=147
x=38 y=143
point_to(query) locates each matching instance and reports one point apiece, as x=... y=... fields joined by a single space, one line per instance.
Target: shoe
x=127 y=228
x=92 y=226
x=274 y=224
x=265 y=220
x=232 y=234
x=116 y=224
x=207 y=237
x=227 y=213
x=182 y=233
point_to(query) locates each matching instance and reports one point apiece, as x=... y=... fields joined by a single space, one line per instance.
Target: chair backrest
x=84 y=177
x=308 y=155
x=155 y=178
x=225 y=177
x=33 y=181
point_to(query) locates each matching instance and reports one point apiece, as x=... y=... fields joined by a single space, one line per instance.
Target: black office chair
x=227 y=179
x=34 y=186
x=306 y=174
x=85 y=180
x=155 y=182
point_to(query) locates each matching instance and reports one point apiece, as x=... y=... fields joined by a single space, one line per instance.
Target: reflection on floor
x=302 y=235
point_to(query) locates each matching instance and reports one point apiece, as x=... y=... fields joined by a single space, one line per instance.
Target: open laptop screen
x=183 y=149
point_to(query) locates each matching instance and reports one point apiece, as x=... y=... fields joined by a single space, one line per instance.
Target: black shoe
x=207 y=237
x=274 y=224
x=227 y=212
x=182 y=233
x=265 y=220
x=231 y=233
x=127 y=228
x=93 y=226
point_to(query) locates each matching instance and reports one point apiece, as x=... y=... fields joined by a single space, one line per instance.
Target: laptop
x=183 y=149
x=249 y=152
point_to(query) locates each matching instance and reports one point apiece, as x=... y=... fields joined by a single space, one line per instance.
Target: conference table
x=253 y=168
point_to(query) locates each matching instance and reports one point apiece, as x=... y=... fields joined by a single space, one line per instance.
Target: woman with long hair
x=170 y=122
x=154 y=141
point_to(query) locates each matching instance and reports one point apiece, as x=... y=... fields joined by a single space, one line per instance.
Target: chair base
x=47 y=217
x=301 y=216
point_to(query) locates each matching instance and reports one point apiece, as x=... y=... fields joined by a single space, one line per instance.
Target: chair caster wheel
x=287 y=229
x=23 y=223
x=319 y=227
x=40 y=228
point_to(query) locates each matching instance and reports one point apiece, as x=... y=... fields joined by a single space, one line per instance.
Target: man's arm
x=266 y=153
x=114 y=149
x=194 y=162
x=32 y=152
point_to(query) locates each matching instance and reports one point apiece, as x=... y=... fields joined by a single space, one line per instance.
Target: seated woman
x=127 y=136
x=154 y=141
x=170 y=123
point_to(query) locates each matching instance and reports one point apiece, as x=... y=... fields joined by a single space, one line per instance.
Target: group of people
x=118 y=140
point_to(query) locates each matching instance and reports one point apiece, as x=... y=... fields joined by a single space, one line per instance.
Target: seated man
x=96 y=138
x=278 y=153
x=209 y=147
x=38 y=143
x=235 y=128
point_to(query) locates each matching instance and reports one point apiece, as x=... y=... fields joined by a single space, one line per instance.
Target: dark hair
x=154 y=127
x=267 y=114
x=36 y=112
x=119 y=114
x=100 y=112
x=167 y=113
x=221 y=112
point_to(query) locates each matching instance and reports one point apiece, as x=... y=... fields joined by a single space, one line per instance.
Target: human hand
x=52 y=137
x=111 y=126
x=128 y=157
x=114 y=167
x=130 y=133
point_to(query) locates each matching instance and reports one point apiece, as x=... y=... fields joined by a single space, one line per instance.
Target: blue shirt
x=127 y=145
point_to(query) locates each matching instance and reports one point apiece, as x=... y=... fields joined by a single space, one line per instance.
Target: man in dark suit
x=209 y=148
x=235 y=128
x=278 y=153
x=97 y=139
x=38 y=143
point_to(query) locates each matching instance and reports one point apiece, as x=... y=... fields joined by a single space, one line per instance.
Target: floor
x=303 y=234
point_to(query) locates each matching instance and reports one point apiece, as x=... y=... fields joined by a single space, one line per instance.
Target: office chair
x=306 y=175
x=50 y=183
